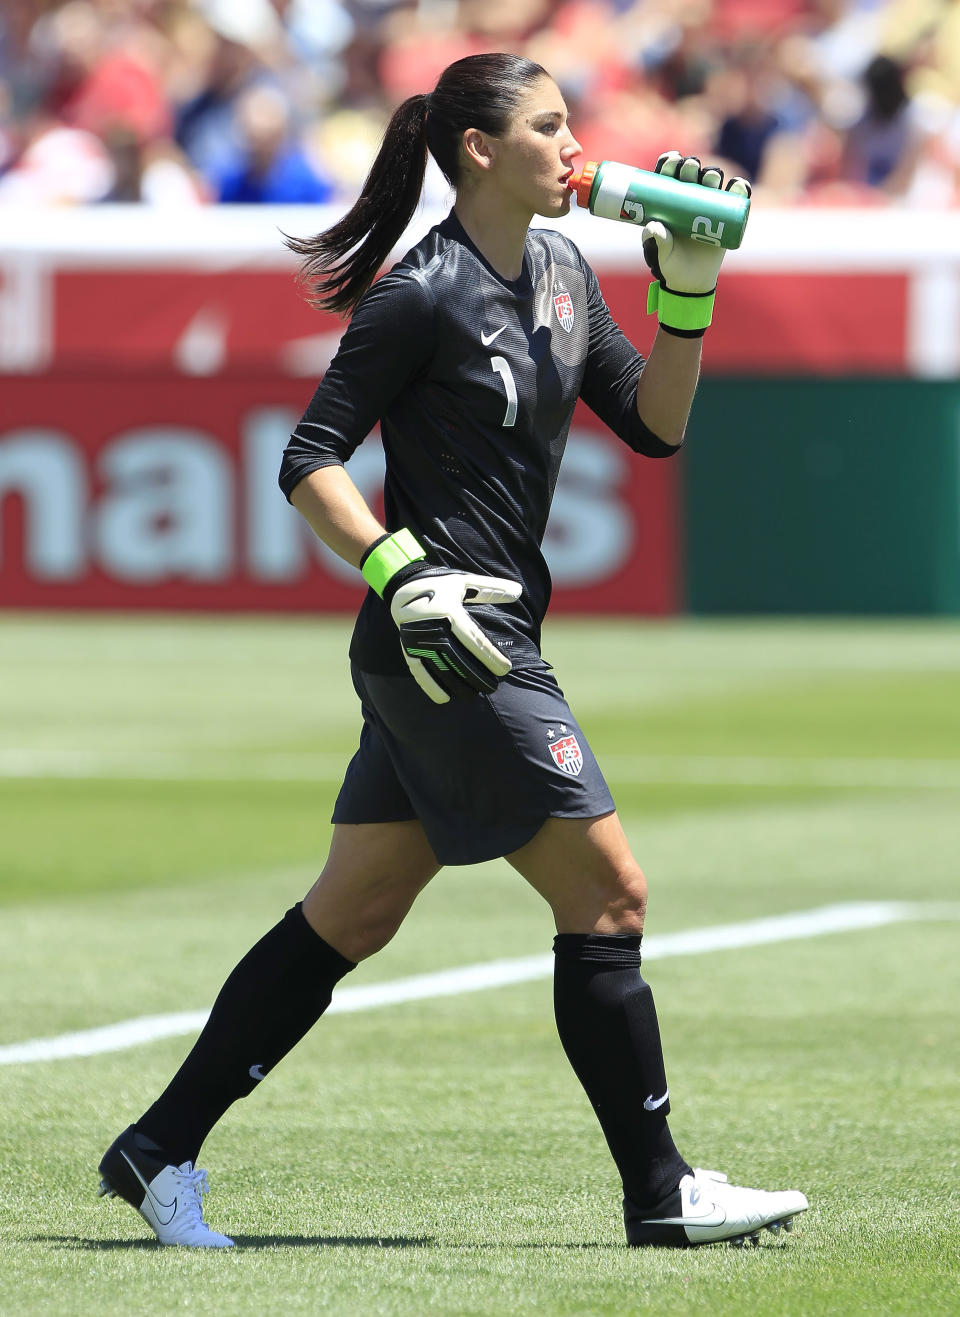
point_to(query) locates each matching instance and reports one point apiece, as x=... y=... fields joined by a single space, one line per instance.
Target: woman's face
x=533 y=159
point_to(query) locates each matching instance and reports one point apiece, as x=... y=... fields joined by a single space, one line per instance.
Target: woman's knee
x=368 y=933
x=626 y=905
x=372 y=877
x=607 y=900
x=614 y=901
x=361 y=924
x=586 y=871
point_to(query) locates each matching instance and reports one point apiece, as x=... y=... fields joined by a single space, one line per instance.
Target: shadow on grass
x=82 y=1244
x=769 y=1247
x=244 y=1241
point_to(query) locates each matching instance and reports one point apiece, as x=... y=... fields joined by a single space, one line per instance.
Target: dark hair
x=883 y=78
x=480 y=91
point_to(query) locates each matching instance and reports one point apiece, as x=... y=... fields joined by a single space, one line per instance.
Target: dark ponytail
x=480 y=91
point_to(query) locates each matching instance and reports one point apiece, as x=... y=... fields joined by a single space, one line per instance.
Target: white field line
x=706 y=770
x=499 y=973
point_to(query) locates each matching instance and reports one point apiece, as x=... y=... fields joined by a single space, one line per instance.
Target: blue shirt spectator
x=289 y=179
x=269 y=165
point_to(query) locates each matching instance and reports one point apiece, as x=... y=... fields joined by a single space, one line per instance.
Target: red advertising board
x=138 y=493
x=768 y=323
x=153 y=365
x=190 y=322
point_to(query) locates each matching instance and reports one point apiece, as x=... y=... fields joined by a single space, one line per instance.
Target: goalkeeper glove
x=685 y=270
x=446 y=652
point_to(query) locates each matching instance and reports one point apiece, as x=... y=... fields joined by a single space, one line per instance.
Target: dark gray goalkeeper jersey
x=473 y=379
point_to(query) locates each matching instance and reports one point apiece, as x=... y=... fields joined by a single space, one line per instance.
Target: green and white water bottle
x=637 y=196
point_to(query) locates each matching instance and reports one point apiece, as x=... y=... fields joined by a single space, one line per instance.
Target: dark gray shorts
x=481 y=775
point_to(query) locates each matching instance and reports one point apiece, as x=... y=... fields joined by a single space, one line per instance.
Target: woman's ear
x=478 y=148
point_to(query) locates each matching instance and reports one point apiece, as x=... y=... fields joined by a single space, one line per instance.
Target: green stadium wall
x=806 y=495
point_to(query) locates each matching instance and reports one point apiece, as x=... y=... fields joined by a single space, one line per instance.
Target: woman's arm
x=667 y=384
x=373 y=365
x=616 y=387
x=333 y=506
x=686 y=273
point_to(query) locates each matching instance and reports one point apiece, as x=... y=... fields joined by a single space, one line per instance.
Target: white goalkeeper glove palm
x=448 y=655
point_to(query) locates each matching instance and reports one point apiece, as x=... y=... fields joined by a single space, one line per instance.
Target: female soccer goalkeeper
x=471 y=353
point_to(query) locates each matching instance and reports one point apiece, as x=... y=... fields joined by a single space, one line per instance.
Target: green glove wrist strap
x=386 y=556
x=685 y=311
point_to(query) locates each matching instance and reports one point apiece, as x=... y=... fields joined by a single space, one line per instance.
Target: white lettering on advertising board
x=174 y=505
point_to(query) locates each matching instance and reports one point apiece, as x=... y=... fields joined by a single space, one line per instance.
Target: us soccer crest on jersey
x=563 y=305
x=566 y=753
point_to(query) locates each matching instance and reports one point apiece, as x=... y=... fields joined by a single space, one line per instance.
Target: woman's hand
x=683 y=264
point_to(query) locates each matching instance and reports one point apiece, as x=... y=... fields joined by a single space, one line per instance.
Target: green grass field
x=165 y=790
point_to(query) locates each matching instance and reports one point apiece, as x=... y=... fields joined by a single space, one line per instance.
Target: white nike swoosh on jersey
x=487 y=339
x=154 y=1200
x=651 y=1104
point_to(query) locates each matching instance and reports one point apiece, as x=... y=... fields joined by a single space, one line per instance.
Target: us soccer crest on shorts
x=566 y=752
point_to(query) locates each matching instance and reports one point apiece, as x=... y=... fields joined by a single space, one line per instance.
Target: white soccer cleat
x=168 y=1197
x=707 y=1210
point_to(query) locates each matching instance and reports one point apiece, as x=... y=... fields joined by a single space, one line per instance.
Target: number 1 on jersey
x=502 y=367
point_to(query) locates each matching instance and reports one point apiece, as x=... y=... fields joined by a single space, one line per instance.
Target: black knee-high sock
x=608 y=1026
x=276 y=993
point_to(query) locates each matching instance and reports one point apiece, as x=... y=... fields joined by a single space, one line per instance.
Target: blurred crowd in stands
x=192 y=102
